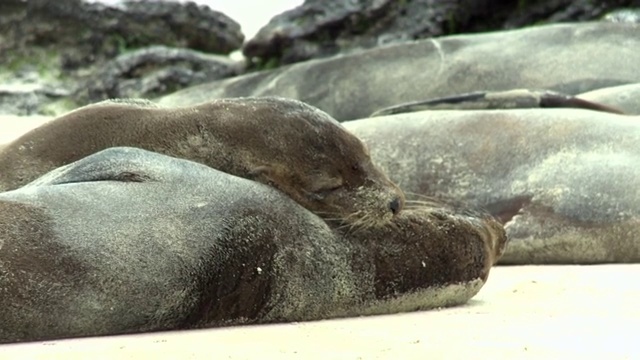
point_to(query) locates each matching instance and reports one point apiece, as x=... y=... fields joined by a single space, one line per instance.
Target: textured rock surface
x=55 y=44
x=320 y=28
x=154 y=71
x=81 y=33
x=568 y=58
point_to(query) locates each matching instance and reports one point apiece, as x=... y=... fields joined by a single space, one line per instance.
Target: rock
x=78 y=33
x=321 y=28
x=554 y=11
x=624 y=15
x=154 y=71
x=567 y=58
x=26 y=99
x=56 y=44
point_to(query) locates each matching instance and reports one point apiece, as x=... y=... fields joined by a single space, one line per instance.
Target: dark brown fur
x=287 y=144
x=84 y=251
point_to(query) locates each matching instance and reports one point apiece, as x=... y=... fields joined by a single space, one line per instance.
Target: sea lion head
x=311 y=157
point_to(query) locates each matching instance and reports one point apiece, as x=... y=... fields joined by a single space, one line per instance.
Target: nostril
x=395 y=206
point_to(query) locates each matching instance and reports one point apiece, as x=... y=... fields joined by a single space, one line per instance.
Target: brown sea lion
x=127 y=240
x=488 y=100
x=287 y=144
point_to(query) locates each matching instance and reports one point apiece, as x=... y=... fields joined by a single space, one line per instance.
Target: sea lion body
x=564 y=182
x=127 y=240
x=287 y=144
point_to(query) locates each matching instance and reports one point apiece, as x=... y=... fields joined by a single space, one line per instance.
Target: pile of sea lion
x=124 y=217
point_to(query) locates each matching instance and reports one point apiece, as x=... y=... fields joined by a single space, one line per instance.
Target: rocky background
x=58 y=55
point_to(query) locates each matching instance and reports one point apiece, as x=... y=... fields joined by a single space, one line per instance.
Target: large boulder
x=152 y=72
x=78 y=33
x=319 y=28
x=59 y=44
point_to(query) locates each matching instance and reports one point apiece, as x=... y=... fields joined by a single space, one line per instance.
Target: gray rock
x=567 y=58
x=81 y=33
x=554 y=11
x=26 y=99
x=623 y=15
x=319 y=28
x=58 y=44
x=154 y=71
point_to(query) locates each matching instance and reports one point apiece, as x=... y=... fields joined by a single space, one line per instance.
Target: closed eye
x=322 y=193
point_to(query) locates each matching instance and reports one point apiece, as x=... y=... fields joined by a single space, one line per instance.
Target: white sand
x=541 y=312
x=13 y=126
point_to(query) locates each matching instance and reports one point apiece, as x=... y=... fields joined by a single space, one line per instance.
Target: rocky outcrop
x=624 y=15
x=321 y=28
x=58 y=44
x=80 y=33
x=567 y=58
x=154 y=71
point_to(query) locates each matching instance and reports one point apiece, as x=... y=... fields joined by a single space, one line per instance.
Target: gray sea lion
x=563 y=181
x=127 y=240
x=285 y=143
x=558 y=57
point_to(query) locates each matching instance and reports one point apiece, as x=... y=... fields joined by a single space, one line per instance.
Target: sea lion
x=562 y=181
x=284 y=143
x=624 y=97
x=558 y=57
x=511 y=99
x=127 y=240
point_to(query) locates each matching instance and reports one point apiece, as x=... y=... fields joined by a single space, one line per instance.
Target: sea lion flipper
x=122 y=164
x=509 y=99
x=551 y=99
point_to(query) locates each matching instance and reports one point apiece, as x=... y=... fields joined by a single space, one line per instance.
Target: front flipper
x=124 y=164
x=491 y=100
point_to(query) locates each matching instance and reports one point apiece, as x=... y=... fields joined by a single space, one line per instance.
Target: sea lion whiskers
x=353 y=223
x=419 y=204
x=423 y=197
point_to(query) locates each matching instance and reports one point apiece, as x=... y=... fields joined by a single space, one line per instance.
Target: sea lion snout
x=395 y=205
